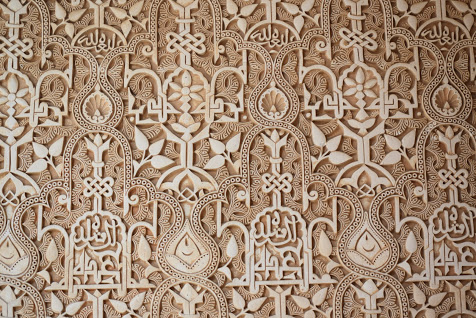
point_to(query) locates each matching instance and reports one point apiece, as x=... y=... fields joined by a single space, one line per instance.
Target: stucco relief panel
x=237 y=158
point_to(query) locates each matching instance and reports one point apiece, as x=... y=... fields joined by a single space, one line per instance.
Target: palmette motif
x=237 y=158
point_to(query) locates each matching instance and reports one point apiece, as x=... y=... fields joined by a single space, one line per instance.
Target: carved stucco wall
x=237 y=158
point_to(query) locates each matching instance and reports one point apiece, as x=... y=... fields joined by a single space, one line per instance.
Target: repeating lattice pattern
x=237 y=158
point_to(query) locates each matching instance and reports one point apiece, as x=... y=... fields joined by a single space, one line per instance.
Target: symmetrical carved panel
x=237 y=158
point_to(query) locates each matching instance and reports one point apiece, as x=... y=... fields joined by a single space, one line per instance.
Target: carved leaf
x=302 y=302
x=393 y=142
x=226 y=271
x=412 y=21
x=391 y=158
x=468 y=20
x=461 y=6
x=56 y=304
x=217 y=146
x=402 y=5
x=144 y=251
x=126 y=27
x=418 y=295
x=119 y=13
x=436 y=299
x=242 y=24
x=156 y=147
x=307 y=5
x=238 y=300
x=137 y=301
x=141 y=140
x=409 y=140
x=291 y=8
x=231 y=7
x=298 y=22
x=310 y=314
x=73 y=308
x=318 y=137
x=234 y=143
x=325 y=245
x=232 y=247
x=119 y=306
x=418 y=7
x=60 y=12
x=136 y=8
x=314 y=162
x=160 y=162
x=46 y=275
x=51 y=252
x=411 y=243
x=247 y=10
x=334 y=143
x=338 y=157
x=40 y=150
x=319 y=297
x=256 y=304
x=430 y=313
x=56 y=147
x=215 y=162
x=38 y=166
x=76 y=15
x=406 y=267
x=69 y=29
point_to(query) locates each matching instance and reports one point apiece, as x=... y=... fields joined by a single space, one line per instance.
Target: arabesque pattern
x=237 y=158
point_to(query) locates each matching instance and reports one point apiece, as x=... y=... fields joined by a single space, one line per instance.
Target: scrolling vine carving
x=237 y=158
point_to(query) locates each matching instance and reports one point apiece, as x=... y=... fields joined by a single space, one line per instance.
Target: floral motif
x=447 y=100
x=97 y=108
x=273 y=104
x=12 y=96
x=186 y=91
x=361 y=86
